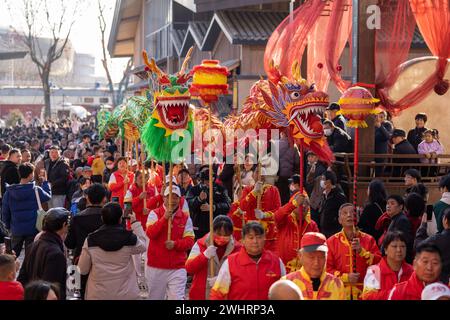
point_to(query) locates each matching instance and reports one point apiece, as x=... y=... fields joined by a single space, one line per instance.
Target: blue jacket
x=19 y=209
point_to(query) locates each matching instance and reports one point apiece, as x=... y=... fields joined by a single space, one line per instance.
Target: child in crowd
x=9 y=288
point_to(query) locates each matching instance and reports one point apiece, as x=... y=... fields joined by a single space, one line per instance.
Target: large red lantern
x=210 y=80
x=356 y=104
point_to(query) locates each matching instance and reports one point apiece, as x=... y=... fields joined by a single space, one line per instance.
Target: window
x=104 y=100
x=88 y=100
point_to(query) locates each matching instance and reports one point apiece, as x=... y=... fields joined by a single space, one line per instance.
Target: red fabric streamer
x=287 y=43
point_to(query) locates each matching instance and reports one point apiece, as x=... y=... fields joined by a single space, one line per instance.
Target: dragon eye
x=295 y=95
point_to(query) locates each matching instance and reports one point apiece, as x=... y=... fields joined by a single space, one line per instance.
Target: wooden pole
x=259 y=196
x=169 y=230
x=211 y=196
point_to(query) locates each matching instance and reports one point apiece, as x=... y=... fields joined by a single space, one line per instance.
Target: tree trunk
x=46 y=89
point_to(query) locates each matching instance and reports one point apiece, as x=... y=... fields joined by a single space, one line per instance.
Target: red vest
x=408 y=290
x=251 y=280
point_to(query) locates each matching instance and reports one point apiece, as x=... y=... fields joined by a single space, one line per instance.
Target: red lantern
x=356 y=104
x=209 y=81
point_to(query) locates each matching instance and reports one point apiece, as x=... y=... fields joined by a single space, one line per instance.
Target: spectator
x=284 y=290
x=341 y=250
x=415 y=135
x=136 y=195
x=392 y=269
x=166 y=273
x=203 y=251
x=415 y=208
x=46 y=259
x=42 y=290
x=373 y=209
x=289 y=162
x=225 y=178
x=58 y=175
x=74 y=184
x=440 y=240
x=247 y=170
x=83 y=146
x=79 y=197
x=314 y=169
x=413 y=183
x=269 y=204
x=97 y=164
x=83 y=160
x=312 y=278
x=5 y=152
x=10 y=170
x=184 y=181
x=107 y=257
x=291 y=227
x=243 y=276
x=443 y=203
x=427 y=269
x=430 y=148
x=35 y=149
x=338 y=139
x=383 y=132
x=332 y=199
x=198 y=199
x=9 y=288
x=120 y=180
x=20 y=205
x=26 y=155
x=398 y=221
x=338 y=120
x=401 y=146
x=109 y=169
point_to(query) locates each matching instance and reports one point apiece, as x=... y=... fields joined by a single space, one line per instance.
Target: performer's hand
x=210 y=252
x=145 y=211
x=356 y=245
x=126 y=179
x=170 y=244
x=353 y=277
x=301 y=199
x=259 y=214
x=424 y=218
x=211 y=281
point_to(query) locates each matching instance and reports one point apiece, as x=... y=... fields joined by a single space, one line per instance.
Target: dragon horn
x=152 y=65
x=186 y=61
x=296 y=73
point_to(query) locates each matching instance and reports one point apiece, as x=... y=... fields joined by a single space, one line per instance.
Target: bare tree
x=59 y=26
x=118 y=94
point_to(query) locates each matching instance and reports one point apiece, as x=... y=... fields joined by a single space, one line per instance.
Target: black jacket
x=226 y=176
x=81 y=225
x=403 y=147
x=440 y=240
x=369 y=218
x=45 y=260
x=200 y=219
x=415 y=136
x=339 y=122
x=329 y=211
x=400 y=222
x=340 y=141
x=111 y=238
x=58 y=176
x=10 y=174
x=382 y=136
x=311 y=176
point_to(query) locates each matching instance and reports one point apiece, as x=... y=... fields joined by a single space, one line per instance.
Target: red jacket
x=137 y=204
x=236 y=216
x=158 y=256
x=290 y=233
x=407 y=290
x=198 y=265
x=270 y=202
x=340 y=260
x=380 y=279
x=241 y=278
x=11 y=290
x=117 y=186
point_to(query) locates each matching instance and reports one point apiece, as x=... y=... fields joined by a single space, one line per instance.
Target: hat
x=398 y=133
x=294 y=179
x=435 y=291
x=309 y=152
x=333 y=106
x=174 y=180
x=53 y=147
x=314 y=241
x=132 y=162
x=87 y=168
x=175 y=190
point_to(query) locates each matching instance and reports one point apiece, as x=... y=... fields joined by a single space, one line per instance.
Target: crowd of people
x=70 y=199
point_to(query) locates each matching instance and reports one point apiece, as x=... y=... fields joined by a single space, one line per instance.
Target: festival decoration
x=170 y=119
x=356 y=104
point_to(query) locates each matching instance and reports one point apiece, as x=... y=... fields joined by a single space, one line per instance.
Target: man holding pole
x=166 y=273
